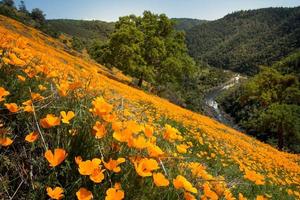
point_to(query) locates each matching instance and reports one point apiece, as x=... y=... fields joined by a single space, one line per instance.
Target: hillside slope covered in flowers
x=71 y=129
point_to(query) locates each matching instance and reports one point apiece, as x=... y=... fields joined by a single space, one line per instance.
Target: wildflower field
x=71 y=129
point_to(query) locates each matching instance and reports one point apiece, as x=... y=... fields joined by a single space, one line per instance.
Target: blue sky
x=111 y=10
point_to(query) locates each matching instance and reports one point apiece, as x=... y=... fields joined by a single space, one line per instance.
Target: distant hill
x=243 y=40
x=83 y=29
x=95 y=29
x=187 y=23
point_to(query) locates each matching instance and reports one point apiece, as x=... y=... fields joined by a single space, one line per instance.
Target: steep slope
x=243 y=40
x=216 y=160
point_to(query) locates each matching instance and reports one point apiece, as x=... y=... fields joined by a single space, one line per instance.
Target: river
x=213 y=109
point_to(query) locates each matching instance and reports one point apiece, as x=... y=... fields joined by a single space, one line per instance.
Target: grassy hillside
x=159 y=150
x=83 y=29
x=243 y=40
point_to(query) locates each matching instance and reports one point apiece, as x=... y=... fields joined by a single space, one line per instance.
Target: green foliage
x=193 y=89
x=38 y=16
x=77 y=44
x=185 y=24
x=283 y=119
x=83 y=29
x=89 y=35
x=243 y=40
x=143 y=50
x=22 y=7
x=268 y=105
x=10 y=11
x=289 y=64
x=148 y=47
x=9 y=3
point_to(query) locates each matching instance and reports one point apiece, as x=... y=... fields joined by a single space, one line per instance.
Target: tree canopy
x=9 y=3
x=148 y=47
x=268 y=105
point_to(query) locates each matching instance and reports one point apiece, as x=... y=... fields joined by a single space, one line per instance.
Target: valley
x=152 y=105
x=212 y=107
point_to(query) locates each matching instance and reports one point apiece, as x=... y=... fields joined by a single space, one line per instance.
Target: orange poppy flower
x=31 y=137
x=66 y=117
x=160 y=180
x=87 y=167
x=56 y=193
x=148 y=131
x=75 y=85
x=109 y=117
x=114 y=193
x=84 y=194
x=30 y=72
x=261 y=197
x=5 y=141
x=122 y=136
x=78 y=160
x=241 y=197
x=154 y=151
x=189 y=196
x=99 y=130
x=36 y=96
x=28 y=106
x=182 y=148
x=101 y=107
x=257 y=178
x=49 y=121
x=113 y=165
x=42 y=88
x=92 y=168
x=63 y=88
x=97 y=176
x=228 y=195
x=116 y=126
x=171 y=133
x=12 y=107
x=181 y=182
x=133 y=126
x=55 y=159
x=3 y=93
x=140 y=142
x=145 y=166
x=208 y=192
x=126 y=112
x=21 y=78
x=14 y=60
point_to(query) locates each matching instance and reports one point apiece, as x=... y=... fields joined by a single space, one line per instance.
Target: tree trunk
x=280 y=136
x=141 y=80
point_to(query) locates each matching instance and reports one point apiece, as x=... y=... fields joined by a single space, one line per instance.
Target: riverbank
x=212 y=107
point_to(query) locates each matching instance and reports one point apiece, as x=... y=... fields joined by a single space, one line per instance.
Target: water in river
x=212 y=107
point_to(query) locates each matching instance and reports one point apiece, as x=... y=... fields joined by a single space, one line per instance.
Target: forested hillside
x=184 y=24
x=267 y=106
x=95 y=29
x=83 y=29
x=243 y=40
